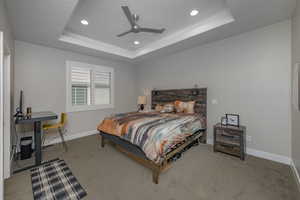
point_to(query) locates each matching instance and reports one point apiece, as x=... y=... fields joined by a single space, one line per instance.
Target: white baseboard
x=296 y=173
x=269 y=156
x=263 y=154
x=70 y=137
x=249 y=151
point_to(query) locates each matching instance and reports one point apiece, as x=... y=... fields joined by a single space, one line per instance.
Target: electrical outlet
x=249 y=138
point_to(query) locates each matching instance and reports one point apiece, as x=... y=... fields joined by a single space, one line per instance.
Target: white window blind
x=81 y=85
x=102 y=84
x=89 y=87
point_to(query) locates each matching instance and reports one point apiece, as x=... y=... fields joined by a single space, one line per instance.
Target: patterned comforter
x=153 y=132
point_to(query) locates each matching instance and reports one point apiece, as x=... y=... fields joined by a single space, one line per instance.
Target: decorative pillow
x=158 y=108
x=168 y=108
x=190 y=107
x=185 y=107
x=179 y=106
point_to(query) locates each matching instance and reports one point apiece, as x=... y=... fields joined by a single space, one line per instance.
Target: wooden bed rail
x=157 y=169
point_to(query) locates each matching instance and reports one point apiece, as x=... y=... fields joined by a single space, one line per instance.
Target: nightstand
x=230 y=140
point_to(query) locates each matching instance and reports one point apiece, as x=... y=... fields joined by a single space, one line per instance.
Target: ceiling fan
x=135 y=28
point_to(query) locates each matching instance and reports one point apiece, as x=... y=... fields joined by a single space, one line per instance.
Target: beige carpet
x=200 y=175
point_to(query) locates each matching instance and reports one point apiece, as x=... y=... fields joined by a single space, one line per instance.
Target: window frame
x=77 y=108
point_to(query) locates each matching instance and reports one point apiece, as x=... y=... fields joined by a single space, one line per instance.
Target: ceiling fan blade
x=128 y=15
x=125 y=33
x=151 y=30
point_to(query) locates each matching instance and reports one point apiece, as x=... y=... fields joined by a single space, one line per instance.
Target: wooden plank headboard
x=195 y=94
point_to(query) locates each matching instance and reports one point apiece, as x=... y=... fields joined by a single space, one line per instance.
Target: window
x=89 y=87
x=102 y=87
x=81 y=86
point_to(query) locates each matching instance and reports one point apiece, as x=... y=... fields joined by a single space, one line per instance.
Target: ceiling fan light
x=84 y=22
x=136 y=42
x=194 y=12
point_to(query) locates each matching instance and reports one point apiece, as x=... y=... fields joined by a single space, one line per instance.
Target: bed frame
x=199 y=95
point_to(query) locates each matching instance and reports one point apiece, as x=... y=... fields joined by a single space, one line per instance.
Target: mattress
x=154 y=133
x=137 y=151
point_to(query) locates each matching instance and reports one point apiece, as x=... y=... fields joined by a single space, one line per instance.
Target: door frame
x=1 y=117
x=7 y=113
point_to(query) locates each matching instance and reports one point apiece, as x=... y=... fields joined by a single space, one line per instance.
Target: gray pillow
x=168 y=108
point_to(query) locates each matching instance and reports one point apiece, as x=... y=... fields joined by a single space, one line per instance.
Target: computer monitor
x=19 y=110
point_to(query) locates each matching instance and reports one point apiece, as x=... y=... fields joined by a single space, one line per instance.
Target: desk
x=37 y=118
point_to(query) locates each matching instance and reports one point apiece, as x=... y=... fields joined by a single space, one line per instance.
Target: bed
x=156 y=139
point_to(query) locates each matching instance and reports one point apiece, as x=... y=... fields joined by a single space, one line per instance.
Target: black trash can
x=26 y=147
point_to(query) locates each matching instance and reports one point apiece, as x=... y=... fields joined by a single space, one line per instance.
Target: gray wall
x=295 y=111
x=40 y=72
x=5 y=26
x=247 y=74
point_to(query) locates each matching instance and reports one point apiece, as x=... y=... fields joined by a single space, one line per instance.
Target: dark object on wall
x=26 y=147
x=233 y=120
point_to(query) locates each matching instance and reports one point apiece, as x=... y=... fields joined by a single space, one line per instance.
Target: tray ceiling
x=106 y=19
x=56 y=23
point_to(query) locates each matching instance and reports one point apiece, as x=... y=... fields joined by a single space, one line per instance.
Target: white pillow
x=168 y=108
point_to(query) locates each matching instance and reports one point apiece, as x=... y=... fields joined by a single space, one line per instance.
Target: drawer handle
x=228 y=136
x=226 y=146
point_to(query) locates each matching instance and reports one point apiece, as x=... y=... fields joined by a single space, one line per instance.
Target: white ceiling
x=56 y=23
x=106 y=19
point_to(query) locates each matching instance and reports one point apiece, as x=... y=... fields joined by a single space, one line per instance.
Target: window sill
x=88 y=108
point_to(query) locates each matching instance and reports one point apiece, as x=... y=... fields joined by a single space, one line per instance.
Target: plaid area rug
x=55 y=181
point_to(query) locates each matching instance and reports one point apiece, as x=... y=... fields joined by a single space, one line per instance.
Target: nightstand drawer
x=228 y=139
x=230 y=149
x=228 y=132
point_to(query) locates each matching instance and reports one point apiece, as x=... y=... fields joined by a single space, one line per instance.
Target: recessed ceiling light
x=136 y=42
x=194 y=12
x=84 y=22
